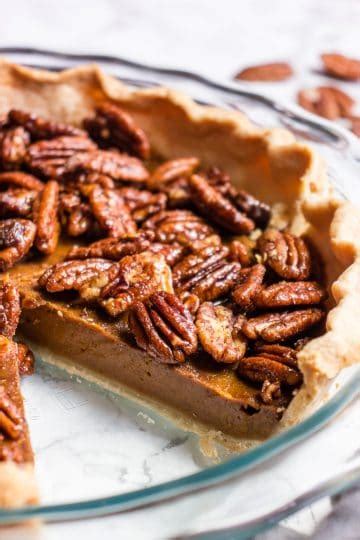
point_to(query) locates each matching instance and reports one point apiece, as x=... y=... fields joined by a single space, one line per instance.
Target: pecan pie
x=173 y=248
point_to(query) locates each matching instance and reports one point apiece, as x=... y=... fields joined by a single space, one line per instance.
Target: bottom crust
x=17 y=485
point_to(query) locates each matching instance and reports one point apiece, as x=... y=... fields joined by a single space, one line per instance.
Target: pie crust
x=269 y=163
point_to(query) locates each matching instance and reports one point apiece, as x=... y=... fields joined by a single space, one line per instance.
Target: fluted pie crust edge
x=269 y=163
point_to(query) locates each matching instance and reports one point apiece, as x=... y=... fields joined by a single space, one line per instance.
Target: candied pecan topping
x=206 y=273
x=138 y=277
x=48 y=158
x=254 y=209
x=16 y=239
x=110 y=163
x=75 y=215
x=279 y=326
x=261 y=369
x=110 y=211
x=92 y=178
x=39 y=128
x=45 y=211
x=72 y=275
x=10 y=419
x=26 y=360
x=163 y=328
x=281 y=353
x=286 y=294
x=21 y=180
x=277 y=71
x=219 y=180
x=143 y=204
x=286 y=254
x=241 y=252
x=172 y=177
x=181 y=226
x=16 y=202
x=215 y=327
x=111 y=127
x=172 y=253
x=114 y=248
x=13 y=146
x=9 y=309
x=341 y=66
x=249 y=286
x=191 y=302
x=217 y=208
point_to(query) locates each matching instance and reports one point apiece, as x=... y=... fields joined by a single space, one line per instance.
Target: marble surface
x=215 y=38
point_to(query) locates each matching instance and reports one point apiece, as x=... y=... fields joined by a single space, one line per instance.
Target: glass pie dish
x=95 y=469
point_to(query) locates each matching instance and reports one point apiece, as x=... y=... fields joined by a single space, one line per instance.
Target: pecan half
x=39 y=128
x=45 y=212
x=21 y=180
x=13 y=146
x=16 y=239
x=163 y=328
x=215 y=327
x=112 y=127
x=277 y=71
x=258 y=211
x=206 y=274
x=75 y=215
x=286 y=254
x=92 y=178
x=16 y=202
x=326 y=101
x=261 y=369
x=10 y=419
x=217 y=208
x=137 y=278
x=242 y=251
x=116 y=166
x=114 y=248
x=181 y=226
x=26 y=360
x=72 y=275
x=143 y=204
x=277 y=327
x=48 y=158
x=287 y=294
x=341 y=66
x=110 y=211
x=9 y=309
x=249 y=286
x=172 y=178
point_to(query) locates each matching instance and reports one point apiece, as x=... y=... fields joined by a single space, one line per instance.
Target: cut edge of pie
x=269 y=162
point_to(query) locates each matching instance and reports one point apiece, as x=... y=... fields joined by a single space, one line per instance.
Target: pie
x=169 y=249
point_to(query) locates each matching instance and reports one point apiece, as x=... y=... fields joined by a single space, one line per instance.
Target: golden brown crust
x=270 y=163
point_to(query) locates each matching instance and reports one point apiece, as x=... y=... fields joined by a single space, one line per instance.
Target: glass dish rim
x=212 y=475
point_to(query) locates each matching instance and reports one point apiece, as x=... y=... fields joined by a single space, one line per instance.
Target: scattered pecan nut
x=21 y=180
x=72 y=275
x=215 y=327
x=10 y=419
x=46 y=218
x=39 y=128
x=280 y=326
x=9 y=309
x=116 y=166
x=134 y=278
x=287 y=294
x=286 y=254
x=217 y=208
x=17 y=202
x=142 y=204
x=114 y=248
x=340 y=66
x=163 y=328
x=172 y=178
x=207 y=274
x=13 y=147
x=111 y=127
x=48 y=158
x=249 y=286
x=180 y=226
x=277 y=71
x=110 y=211
x=16 y=238
x=326 y=101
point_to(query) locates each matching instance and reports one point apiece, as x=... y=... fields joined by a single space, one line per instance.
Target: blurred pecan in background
x=277 y=71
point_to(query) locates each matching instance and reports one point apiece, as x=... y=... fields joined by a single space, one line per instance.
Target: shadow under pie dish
x=175 y=234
